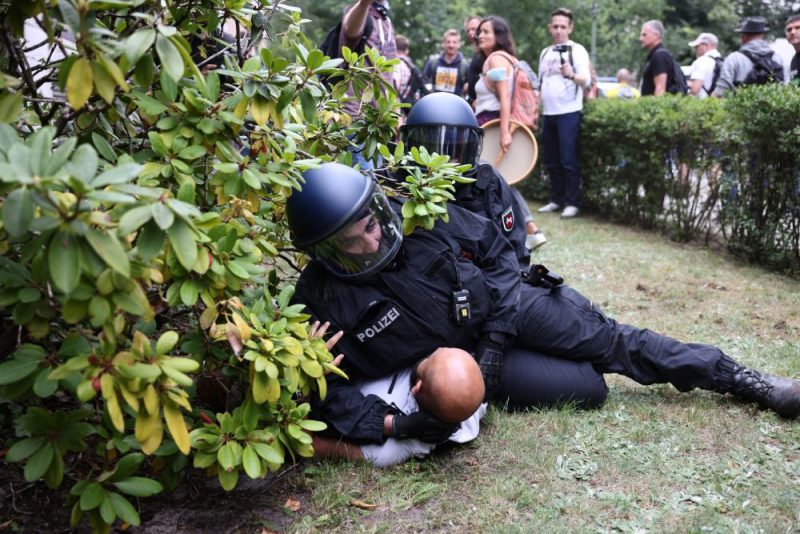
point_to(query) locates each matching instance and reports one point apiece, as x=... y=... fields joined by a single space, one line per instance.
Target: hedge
x=700 y=168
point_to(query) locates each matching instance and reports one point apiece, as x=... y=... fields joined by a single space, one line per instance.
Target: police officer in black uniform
x=445 y=124
x=398 y=299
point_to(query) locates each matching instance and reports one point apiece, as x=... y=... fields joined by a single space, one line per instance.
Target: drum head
x=521 y=157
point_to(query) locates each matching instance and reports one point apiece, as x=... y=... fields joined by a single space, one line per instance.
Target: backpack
x=765 y=69
x=524 y=101
x=679 y=85
x=416 y=86
x=718 y=61
x=330 y=46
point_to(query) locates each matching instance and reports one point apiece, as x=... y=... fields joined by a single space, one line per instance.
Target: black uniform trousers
x=563 y=324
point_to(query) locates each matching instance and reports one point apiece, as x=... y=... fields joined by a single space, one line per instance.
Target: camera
x=561 y=48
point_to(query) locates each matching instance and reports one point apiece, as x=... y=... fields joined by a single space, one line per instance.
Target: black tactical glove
x=422 y=426
x=489 y=353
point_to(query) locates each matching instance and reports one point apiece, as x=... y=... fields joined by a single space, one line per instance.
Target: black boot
x=782 y=395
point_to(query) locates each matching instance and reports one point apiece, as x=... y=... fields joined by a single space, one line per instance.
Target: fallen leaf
x=292 y=504
x=358 y=503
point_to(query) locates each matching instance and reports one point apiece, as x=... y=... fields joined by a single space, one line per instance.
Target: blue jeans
x=560 y=139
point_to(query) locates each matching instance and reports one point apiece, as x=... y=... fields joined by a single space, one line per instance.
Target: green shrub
x=694 y=167
x=761 y=183
x=146 y=322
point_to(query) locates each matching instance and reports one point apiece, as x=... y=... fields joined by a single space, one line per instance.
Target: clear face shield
x=462 y=143
x=365 y=245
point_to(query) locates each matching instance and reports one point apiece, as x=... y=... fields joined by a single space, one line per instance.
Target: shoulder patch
x=507 y=219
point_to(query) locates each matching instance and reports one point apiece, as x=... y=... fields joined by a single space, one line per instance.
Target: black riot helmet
x=444 y=123
x=343 y=219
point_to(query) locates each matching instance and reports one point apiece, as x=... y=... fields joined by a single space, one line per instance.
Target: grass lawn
x=652 y=459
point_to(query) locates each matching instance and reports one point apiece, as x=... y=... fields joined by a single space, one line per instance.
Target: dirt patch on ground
x=196 y=506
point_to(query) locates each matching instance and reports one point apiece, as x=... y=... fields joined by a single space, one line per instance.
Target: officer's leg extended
x=562 y=322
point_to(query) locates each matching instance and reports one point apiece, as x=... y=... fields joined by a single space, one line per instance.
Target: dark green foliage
x=761 y=185
x=693 y=167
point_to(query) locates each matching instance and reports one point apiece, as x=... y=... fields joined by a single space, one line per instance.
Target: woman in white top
x=493 y=96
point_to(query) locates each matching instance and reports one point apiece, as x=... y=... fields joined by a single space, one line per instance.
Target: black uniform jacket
x=402 y=314
x=490 y=196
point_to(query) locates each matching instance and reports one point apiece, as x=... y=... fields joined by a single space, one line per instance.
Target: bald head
x=449 y=385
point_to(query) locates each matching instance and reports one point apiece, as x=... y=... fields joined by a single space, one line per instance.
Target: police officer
x=458 y=285
x=444 y=123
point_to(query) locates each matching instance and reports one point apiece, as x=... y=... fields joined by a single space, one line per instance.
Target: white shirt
x=560 y=95
x=703 y=69
x=394 y=451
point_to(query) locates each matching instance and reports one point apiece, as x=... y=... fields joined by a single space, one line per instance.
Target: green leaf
x=228 y=479
x=137 y=44
x=83 y=164
x=251 y=463
x=111 y=250
x=16 y=369
x=166 y=342
x=150 y=241
x=79 y=83
x=107 y=511
x=117 y=175
x=169 y=87
x=183 y=242
x=29 y=294
x=162 y=215
x=268 y=453
x=39 y=463
x=43 y=386
x=170 y=57
x=132 y=219
x=312 y=426
x=127 y=466
x=189 y=292
x=124 y=509
x=192 y=152
x=23 y=449
x=18 y=212
x=40 y=143
x=139 y=486
x=229 y=455
x=10 y=106
x=149 y=105
x=64 y=261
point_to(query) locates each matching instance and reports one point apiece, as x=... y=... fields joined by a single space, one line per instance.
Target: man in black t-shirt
x=658 y=74
x=792 y=29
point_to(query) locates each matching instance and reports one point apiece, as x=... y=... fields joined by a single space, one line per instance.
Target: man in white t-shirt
x=565 y=75
x=705 y=69
x=447 y=384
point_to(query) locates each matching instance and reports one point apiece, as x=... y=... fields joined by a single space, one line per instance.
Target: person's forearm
x=695 y=86
x=353 y=22
x=335 y=448
x=388 y=421
x=660 y=84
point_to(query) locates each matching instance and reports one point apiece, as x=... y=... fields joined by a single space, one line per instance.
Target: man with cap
x=706 y=68
x=739 y=64
x=792 y=30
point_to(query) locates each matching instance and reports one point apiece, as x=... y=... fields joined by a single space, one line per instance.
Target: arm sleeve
x=661 y=63
x=726 y=75
x=582 y=65
x=355 y=416
x=496 y=258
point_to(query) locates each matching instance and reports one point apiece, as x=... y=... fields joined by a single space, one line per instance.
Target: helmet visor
x=365 y=245
x=461 y=143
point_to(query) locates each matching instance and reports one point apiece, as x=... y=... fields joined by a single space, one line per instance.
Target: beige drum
x=521 y=157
